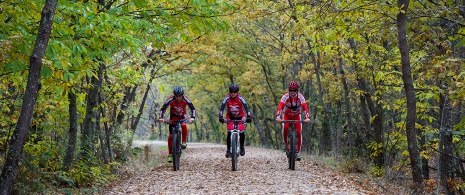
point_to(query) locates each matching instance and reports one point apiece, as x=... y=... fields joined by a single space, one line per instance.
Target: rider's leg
x=298 y=127
x=228 y=144
x=285 y=131
x=184 y=132
x=242 y=136
x=169 y=138
x=184 y=136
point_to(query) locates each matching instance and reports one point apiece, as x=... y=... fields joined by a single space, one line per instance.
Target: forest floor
x=205 y=170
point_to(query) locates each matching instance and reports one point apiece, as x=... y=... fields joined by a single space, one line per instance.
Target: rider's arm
x=281 y=105
x=246 y=106
x=305 y=109
x=191 y=106
x=165 y=106
x=222 y=106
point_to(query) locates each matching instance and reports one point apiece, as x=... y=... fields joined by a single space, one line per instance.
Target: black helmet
x=178 y=91
x=233 y=88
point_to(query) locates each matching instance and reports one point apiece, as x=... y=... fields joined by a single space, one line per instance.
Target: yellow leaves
x=405 y=153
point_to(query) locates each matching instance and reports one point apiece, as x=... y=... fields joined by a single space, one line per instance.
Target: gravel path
x=205 y=170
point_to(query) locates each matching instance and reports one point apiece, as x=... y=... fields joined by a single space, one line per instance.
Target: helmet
x=233 y=88
x=178 y=91
x=293 y=85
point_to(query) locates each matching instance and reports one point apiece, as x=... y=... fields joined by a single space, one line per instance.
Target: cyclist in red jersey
x=236 y=109
x=290 y=108
x=178 y=103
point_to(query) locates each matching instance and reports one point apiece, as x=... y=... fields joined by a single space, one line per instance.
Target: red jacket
x=236 y=108
x=291 y=106
x=178 y=109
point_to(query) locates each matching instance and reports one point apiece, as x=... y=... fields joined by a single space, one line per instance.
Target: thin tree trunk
x=348 y=113
x=107 y=141
x=415 y=160
x=326 y=108
x=446 y=166
x=89 y=125
x=11 y=166
x=259 y=127
x=72 y=135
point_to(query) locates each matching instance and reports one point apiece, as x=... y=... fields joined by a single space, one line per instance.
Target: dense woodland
x=80 y=80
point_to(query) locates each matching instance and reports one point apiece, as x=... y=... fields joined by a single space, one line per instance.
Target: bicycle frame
x=176 y=137
x=291 y=145
x=235 y=143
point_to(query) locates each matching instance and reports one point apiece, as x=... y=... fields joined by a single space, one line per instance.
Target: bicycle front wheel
x=234 y=151
x=292 y=150
x=176 y=149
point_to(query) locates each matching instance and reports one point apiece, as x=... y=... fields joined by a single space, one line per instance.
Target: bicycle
x=176 y=137
x=235 y=143
x=291 y=145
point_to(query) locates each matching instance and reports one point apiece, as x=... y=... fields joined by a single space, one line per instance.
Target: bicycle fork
x=235 y=135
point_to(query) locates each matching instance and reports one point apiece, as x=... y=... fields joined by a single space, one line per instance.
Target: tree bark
x=348 y=113
x=10 y=169
x=415 y=161
x=261 y=133
x=72 y=134
x=89 y=124
x=446 y=166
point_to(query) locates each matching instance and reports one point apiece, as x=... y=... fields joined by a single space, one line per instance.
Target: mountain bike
x=235 y=143
x=176 y=137
x=291 y=145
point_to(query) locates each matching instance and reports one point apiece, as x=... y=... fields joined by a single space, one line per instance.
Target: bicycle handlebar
x=229 y=121
x=174 y=121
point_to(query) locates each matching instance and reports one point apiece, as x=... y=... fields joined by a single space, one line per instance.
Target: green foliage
x=354 y=165
x=376 y=148
x=377 y=171
x=85 y=176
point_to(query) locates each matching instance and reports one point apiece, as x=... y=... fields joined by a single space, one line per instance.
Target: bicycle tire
x=234 y=152
x=176 y=151
x=293 y=150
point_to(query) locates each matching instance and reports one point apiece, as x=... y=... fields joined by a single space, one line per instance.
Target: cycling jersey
x=178 y=108
x=177 y=112
x=236 y=109
x=291 y=106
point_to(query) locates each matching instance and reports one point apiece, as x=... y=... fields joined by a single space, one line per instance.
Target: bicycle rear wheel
x=176 y=150
x=234 y=152
x=293 y=149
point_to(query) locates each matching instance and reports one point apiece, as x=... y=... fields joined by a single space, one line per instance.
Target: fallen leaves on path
x=205 y=170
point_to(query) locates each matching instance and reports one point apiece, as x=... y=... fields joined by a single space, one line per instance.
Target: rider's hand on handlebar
x=191 y=120
x=278 y=119
x=161 y=120
x=307 y=120
x=221 y=120
x=248 y=120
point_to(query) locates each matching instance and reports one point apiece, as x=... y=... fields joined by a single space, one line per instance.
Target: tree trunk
x=446 y=167
x=107 y=141
x=72 y=134
x=326 y=108
x=259 y=127
x=10 y=169
x=89 y=125
x=348 y=113
x=365 y=98
x=415 y=160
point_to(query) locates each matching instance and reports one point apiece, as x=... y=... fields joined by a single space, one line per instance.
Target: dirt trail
x=205 y=170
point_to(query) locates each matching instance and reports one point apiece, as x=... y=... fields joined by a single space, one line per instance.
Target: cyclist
x=237 y=109
x=290 y=108
x=177 y=103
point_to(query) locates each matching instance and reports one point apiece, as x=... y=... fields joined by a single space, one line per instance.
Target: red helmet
x=293 y=85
